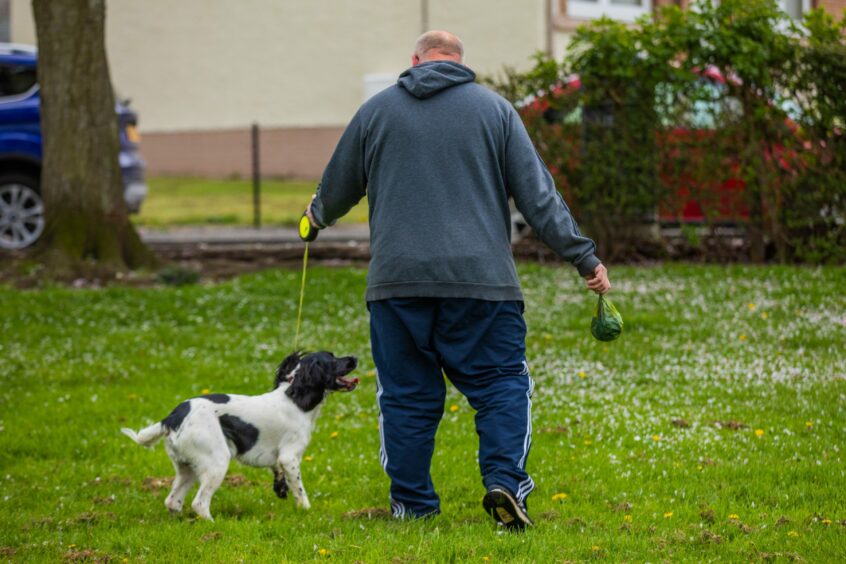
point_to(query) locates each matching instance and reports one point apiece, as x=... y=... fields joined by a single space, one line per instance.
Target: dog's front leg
x=290 y=463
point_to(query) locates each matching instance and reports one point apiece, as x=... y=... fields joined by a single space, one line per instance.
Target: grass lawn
x=177 y=201
x=714 y=429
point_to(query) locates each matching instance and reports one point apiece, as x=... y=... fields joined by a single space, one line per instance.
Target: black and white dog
x=271 y=430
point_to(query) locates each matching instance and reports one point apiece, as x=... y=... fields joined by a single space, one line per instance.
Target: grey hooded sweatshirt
x=438 y=157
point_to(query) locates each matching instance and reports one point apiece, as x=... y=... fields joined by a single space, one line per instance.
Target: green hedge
x=735 y=106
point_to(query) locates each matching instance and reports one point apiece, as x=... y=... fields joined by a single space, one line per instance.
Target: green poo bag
x=607 y=323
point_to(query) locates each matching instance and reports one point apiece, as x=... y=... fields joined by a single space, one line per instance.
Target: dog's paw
x=281 y=488
x=304 y=504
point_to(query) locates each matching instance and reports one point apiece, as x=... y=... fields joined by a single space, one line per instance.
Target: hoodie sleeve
x=533 y=189
x=344 y=180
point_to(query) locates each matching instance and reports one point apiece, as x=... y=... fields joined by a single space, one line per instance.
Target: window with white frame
x=623 y=10
x=795 y=8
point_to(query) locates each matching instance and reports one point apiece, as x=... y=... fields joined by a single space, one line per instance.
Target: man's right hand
x=598 y=281
x=309 y=214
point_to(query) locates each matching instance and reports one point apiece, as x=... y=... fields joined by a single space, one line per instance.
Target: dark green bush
x=734 y=106
x=176 y=275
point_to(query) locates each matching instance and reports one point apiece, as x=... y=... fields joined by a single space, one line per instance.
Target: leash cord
x=302 y=295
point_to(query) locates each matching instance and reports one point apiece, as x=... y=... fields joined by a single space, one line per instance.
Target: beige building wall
x=199 y=72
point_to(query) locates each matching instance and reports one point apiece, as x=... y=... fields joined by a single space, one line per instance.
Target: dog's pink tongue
x=355 y=380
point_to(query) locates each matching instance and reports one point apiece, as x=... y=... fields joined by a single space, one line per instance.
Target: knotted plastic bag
x=607 y=323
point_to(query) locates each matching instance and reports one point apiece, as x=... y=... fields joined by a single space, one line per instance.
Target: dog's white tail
x=148 y=436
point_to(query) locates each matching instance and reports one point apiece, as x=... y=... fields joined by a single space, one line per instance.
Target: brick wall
x=836 y=7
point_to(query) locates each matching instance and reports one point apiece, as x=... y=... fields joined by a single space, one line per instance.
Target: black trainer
x=506 y=510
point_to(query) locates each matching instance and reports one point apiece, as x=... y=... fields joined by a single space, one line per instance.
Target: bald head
x=438 y=46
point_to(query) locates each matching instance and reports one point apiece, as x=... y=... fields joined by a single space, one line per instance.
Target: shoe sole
x=505 y=510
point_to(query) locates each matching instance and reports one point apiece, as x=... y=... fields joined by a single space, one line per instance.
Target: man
x=438 y=157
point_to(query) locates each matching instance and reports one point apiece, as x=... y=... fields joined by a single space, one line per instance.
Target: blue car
x=21 y=206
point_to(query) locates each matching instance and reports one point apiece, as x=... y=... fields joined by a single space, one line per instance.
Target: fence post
x=256 y=178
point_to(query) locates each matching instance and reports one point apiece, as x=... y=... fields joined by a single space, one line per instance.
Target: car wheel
x=21 y=211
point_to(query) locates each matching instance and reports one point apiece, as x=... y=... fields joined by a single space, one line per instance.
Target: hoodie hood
x=427 y=79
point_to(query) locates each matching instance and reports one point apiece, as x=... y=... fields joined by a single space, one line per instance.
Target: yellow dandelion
x=559 y=497
x=371 y=373
x=588 y=442
x=700 y=467
x=453 y=408
x=627 y=518
x=205 y=391
x=826 y=521
x=792 y=534
x=742 y=337
x=582 y=374
x=547 y=336
x=734 y=517
x=668 y=514
x=764 y=315
x=595 y=548
x=752 y=307
x=486 y=558
x=308 y=458
x=656 y=438
x=125 y=560
x=339 y=417
x=323 y=552
x=334 y=435
x=759 y=432
x=132 y=396
x=71 y=546
x=809 y=424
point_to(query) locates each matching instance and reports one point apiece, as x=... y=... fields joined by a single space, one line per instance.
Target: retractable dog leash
x=308 y=233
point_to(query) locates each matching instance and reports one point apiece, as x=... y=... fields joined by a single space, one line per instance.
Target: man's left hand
x=598 y=281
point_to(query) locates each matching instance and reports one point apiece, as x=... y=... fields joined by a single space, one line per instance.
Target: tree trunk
x=85 y=213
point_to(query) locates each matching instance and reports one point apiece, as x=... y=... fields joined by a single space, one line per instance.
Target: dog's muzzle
x=344 y=383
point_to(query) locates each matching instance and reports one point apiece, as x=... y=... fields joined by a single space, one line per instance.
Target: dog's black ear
x=309 y=387
x=288 y=365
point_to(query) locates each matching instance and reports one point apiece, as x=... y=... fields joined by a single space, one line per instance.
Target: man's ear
x=287 y=366
x=415 y=60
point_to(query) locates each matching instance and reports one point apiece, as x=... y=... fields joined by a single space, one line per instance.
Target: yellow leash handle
x=302 y=295
x=307 y=231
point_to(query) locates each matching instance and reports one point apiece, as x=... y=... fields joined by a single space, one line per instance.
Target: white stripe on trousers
x=397 y=509
x=527 y=441
x=383 y=453
x=525 y=488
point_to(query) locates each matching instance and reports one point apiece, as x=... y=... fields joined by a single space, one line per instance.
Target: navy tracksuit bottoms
x=480 y=346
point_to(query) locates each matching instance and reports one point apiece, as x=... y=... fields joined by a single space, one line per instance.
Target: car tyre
x=21 y=211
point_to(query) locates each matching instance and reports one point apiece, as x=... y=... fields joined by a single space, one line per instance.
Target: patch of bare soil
x=237 y=481
x=154 y=484
x=91 y=517
x=369 y=513
x=707 y=536
x=708 y=515
x=558 y=429
x=85 y=555
x=551 y=515
x=731 y=424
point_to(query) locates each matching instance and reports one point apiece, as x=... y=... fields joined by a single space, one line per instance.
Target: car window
x=703 y=107
x=16 y=80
